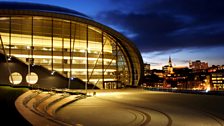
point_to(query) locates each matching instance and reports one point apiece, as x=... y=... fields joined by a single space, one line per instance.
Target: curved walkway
x=121 y=108
x=144 y=108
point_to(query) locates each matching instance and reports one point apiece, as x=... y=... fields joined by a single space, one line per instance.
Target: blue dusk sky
x=183 y=29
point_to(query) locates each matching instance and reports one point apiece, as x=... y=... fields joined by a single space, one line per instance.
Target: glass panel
x=21 y=29
x=42 y=41
x=95 y=56
x=78 y=51
x=5 y=32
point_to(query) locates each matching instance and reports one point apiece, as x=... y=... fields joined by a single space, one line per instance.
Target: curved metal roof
x=40 y=7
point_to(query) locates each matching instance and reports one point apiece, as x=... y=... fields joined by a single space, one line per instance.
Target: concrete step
x=29 y=95
x=33 y=117
x=63 y=102
x=37 y=103
x=36 y=100
x=45 y=104
x=42 y=107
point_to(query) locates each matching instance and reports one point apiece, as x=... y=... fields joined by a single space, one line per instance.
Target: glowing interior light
x=52 y=73
x=60 y=57
x=9 y=59
x=208 y=89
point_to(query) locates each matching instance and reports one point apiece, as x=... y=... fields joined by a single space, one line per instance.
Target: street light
x=29 y=61
x=86 y=70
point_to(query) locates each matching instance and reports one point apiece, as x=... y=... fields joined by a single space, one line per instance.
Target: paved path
x=142 y=108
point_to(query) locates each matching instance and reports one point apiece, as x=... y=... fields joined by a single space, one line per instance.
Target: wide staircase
x=39 y=107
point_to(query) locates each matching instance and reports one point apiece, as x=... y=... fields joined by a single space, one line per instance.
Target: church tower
x=170 y=67
x=170 y=62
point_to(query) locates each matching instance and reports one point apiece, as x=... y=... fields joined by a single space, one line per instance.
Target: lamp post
x=29 y=62
x=86 y=70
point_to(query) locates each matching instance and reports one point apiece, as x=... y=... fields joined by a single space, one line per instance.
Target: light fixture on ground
x=53 y=72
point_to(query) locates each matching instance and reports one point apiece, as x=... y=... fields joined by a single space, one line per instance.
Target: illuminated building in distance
x=198 y=66
x=168 y=69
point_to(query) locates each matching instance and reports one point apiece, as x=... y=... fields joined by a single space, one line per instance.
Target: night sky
x=183 y=29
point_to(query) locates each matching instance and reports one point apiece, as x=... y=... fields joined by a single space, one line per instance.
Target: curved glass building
x=66 y=42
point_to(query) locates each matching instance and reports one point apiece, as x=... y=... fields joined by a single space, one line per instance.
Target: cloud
x=150 y=55
x=154 y=64
x=169 y=24
x=181 y=61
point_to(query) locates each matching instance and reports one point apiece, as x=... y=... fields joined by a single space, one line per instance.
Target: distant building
x=159 y=73
x=146 y=69
x=198 y=66
x=214 y=68
x=182 y=75
x=217 y=80
x=156 y=78
x=168 y=69
x=169 y=78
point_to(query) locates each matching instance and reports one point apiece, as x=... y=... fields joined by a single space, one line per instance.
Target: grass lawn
x=9 y=114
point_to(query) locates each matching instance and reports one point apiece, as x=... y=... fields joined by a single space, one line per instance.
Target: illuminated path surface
x=142 y=108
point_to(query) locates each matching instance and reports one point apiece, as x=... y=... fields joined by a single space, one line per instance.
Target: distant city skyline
x=182 y=58
x=175 y=63
x=183 y=29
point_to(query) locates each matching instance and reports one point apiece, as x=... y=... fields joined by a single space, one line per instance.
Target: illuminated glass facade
x=71 y=44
